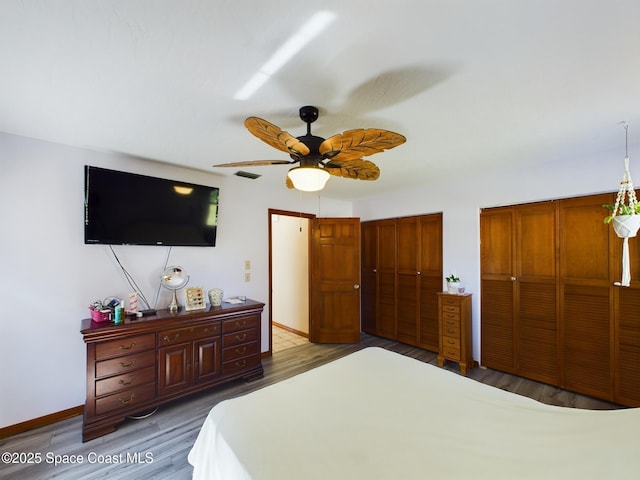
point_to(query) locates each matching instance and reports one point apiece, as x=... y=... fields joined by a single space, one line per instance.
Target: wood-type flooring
x=157 y=447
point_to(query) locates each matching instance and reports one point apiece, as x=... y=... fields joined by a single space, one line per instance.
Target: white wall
x=49 y=276
x=461 y=198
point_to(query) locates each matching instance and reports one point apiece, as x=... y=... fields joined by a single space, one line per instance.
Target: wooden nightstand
x=454 y=314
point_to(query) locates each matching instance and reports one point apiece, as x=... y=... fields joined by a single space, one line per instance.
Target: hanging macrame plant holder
x=624 y=218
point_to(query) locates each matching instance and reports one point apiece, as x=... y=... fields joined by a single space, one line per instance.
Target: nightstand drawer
x=125 y=364
x=125 y=346
x=125 y=381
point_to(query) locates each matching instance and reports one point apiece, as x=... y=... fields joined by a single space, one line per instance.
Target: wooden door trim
x=286 y=213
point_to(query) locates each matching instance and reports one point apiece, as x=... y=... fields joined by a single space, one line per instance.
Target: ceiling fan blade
x=357 y=169
x=288 y=182
x=354 y=144
x=254 y=163
x=276 y=137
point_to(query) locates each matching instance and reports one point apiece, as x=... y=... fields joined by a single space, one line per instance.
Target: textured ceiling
x=472 y=84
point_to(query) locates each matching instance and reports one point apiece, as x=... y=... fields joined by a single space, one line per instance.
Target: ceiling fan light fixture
x=308 y=179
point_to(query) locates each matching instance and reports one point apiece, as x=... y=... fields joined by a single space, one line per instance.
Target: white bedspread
x=376 y=414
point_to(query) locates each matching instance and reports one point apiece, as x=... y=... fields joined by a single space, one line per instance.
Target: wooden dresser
x=454 y=314
x=147 y=361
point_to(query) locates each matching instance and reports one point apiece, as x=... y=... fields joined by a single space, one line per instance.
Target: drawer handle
x=133 y=344
x=241 y=337
x=450 y=342
x=124 y=401
x=168 y=339
x=127 y=365
x=122 y=382
x=243 y=324
x=241 y=351
x=206 y=330
x=450 y=323
x=241 y=363
x=451 y=331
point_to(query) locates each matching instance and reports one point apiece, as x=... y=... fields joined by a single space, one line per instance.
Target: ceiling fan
x=339 y=155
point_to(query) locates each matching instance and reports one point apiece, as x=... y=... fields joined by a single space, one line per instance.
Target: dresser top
x=89 y=327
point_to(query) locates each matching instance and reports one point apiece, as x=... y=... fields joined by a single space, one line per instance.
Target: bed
x=375 y=414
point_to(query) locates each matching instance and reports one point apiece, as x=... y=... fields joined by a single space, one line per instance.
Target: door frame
x=309 y=217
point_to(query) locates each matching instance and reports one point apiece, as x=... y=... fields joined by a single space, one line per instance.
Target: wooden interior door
x=335 y=281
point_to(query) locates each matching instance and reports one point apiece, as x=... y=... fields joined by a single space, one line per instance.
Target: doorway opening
x=289 y=267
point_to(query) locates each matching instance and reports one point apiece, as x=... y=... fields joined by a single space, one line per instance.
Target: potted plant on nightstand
x=453 y=283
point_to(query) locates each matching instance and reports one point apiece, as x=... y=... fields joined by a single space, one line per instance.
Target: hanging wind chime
x=625 y=213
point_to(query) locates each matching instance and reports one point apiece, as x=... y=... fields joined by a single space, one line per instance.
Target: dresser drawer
x=450 y=331
x=125 y=346
x=239 y=351
x=125 y=381
x=450 y=300
x=237 y=338
x=125 y=364
x=181 y=335
x=237 y=366
x=450 y=309
x=126 y=399
x=449 y=342
x=451 y=353
x=242 y=323
x=453 y=322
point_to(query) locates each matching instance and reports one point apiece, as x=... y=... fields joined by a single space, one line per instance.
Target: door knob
x=356 y=286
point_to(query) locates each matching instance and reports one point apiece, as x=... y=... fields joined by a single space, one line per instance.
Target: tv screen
x=129 y=209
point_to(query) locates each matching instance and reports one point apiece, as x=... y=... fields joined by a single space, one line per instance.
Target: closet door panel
x=586 y=340
x=386 y=282
x=628 y=344
x=497 y=285
x=584 y=240
x=430 y=279
x=369 y=248
x=408 y=287
x=585 y=286
x=536 y=272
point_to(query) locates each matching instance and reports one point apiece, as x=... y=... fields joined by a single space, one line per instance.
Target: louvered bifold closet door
x=386 y=279
x=408 y=280
x=627 y=314
x=586 y=331
x=536 y=318
x=497 y=289
x=430 y=268
x=368 y=288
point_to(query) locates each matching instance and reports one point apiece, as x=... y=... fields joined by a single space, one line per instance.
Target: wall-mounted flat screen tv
x=123 y=208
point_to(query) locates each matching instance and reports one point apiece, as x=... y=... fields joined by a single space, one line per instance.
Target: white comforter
x=378 y=415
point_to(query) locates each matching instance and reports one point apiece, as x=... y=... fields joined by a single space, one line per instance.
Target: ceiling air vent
x=252 y=176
